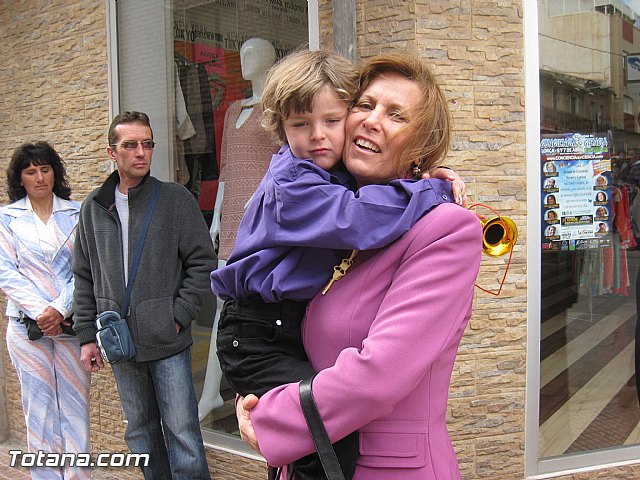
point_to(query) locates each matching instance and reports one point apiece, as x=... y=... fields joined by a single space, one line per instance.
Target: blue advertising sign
x=576 y=191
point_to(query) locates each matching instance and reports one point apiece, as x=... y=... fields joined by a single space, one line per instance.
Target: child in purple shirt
x=298 y=224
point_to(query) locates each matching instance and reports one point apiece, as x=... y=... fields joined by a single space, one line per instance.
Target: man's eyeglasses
x=133 y=144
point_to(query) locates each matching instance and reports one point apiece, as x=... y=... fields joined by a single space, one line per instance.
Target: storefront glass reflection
x=590 y=174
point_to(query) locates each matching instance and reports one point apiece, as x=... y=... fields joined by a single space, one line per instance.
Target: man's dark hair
x=127 y=117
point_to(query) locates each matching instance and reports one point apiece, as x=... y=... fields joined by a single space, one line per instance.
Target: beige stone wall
x=54 y=84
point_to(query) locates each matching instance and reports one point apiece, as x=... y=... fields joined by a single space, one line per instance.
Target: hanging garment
x=622 y=217
x=199 y=150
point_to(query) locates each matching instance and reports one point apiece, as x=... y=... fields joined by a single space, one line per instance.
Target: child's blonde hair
x=293 y=82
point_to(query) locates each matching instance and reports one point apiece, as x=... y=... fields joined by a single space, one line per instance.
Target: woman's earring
x=416 y=170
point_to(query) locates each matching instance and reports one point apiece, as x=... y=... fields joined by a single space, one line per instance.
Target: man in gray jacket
x=156 y=388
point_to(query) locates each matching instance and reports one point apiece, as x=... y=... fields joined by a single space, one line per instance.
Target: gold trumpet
x=499 y=235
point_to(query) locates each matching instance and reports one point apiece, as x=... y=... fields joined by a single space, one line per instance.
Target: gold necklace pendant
x=339 y=271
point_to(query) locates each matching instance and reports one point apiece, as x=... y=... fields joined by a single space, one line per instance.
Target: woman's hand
x=52 y=332
x=49 y=321
x=243 y=406
x=458 y=187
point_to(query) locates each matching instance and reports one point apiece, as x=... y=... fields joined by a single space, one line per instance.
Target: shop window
x=198 y=67
x=586 y=399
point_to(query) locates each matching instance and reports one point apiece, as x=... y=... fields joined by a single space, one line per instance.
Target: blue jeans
x=162 y=413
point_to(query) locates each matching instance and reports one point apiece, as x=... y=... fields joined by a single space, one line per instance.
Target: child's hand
x=458 y=187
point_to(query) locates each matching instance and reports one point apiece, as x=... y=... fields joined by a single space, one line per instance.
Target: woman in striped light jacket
x=37 y=231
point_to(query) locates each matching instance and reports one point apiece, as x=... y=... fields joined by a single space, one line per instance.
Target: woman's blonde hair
x=429 y=143
x=293 y=82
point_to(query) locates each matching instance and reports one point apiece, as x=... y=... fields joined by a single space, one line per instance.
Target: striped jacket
x=30 y=283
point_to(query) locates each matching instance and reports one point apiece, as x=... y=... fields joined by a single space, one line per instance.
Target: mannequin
x=245 y=155
x=256 y=57
x=246 y=148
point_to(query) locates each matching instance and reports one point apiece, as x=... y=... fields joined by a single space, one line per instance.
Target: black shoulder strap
x=319 y=434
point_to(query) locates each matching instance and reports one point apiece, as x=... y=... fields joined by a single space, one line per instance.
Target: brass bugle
x=499 y=235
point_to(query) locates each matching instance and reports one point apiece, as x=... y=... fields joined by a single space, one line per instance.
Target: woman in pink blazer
x=384 y=337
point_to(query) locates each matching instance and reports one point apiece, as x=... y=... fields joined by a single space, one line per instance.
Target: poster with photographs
x=576 y=191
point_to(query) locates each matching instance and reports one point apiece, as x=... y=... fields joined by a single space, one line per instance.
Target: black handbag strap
x=138 y=251
x=325 y=450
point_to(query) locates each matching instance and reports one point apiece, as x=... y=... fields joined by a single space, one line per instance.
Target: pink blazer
x=385 y=338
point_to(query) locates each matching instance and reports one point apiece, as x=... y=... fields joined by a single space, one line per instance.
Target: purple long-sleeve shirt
x=301 y=220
